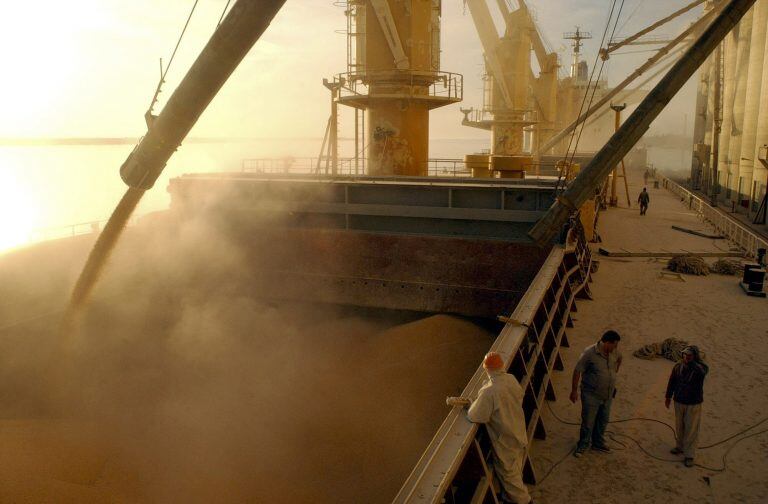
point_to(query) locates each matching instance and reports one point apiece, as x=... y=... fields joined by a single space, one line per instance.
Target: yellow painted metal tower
x=519 y=109
x=393 y=74
x=508 y=107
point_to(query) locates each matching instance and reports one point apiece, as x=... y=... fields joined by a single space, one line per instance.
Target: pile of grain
x=181 y=391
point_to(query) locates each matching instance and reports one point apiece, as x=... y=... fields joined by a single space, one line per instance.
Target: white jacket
x=499 y=405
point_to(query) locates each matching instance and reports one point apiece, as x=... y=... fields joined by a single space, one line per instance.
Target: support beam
x=753 y=103
x=717 y=120
x=730 y=52
x=737 y=118
x=760 y=173
x=388 y=27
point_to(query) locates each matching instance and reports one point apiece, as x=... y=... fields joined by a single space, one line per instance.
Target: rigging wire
x=635 y=52
x=586 y=93
x=592 y=73
x=594 y=90
x=629 y=18
x=170 y=61
x=226 y=6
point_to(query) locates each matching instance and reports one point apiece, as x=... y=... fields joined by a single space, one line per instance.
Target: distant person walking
x=596 y=370
x=644 y=199
x=499 y=405
x=686 y=387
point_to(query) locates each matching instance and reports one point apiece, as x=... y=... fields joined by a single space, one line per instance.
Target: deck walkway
x=713 y=312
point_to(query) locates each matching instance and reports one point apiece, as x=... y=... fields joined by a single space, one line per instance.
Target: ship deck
x=713 y=312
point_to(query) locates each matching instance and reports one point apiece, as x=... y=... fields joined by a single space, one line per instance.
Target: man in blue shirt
x=596 y=370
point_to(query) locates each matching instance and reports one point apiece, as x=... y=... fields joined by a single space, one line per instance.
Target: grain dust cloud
x=185 y=385
x=98 y=258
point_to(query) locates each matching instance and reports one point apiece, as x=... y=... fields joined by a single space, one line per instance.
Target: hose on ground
x=613 y=436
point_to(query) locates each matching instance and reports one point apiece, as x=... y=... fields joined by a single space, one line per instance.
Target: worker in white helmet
x=499 y=405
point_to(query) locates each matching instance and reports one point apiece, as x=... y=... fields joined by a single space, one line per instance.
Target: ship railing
x=485 y=115
x=737 y=233
x=69 y=230
x=436 y=167
x=350 y=166
x=455 y=467
x=286 y=164
x=432 y=86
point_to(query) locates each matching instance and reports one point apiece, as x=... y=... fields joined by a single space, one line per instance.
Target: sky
x=89 y=67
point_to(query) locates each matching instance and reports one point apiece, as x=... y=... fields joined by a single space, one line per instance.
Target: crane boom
x=489 y=38
x=542 y=56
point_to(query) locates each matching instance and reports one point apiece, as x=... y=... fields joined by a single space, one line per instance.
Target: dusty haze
x=182 y=388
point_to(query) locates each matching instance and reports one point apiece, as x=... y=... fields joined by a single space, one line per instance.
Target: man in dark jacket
x=644 y=199
x=686 y=386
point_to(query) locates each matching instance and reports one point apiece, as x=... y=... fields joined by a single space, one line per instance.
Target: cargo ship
x=291 y=337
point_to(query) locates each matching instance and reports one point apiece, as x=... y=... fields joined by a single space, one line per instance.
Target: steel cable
x=173 y=55
x=558 y=187
x=612 y=435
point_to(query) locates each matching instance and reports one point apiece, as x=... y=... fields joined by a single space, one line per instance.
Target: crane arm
x=544 y=58
x=387 y=23
x=489 y=38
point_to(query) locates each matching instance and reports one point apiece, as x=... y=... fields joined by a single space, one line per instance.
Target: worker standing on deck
x=644 y=199
x=686 y=386
x=499 y=405
x=596 y=370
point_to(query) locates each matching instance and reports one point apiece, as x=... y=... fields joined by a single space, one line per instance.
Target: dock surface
x=632 y=297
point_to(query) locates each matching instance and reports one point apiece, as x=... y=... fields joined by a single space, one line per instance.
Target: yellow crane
x=516 y=101
x=394 y=77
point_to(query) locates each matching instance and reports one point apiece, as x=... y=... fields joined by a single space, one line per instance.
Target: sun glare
x=19 y=217
x=40 y=59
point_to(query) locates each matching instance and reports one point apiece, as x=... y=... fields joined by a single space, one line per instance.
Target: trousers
x=509 y=470
x=687 y=422
x=595 y=413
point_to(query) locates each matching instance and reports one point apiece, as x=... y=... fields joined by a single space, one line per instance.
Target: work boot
x=579 y=452
x=688 y=462
x=676 y=451
x=601 y=448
